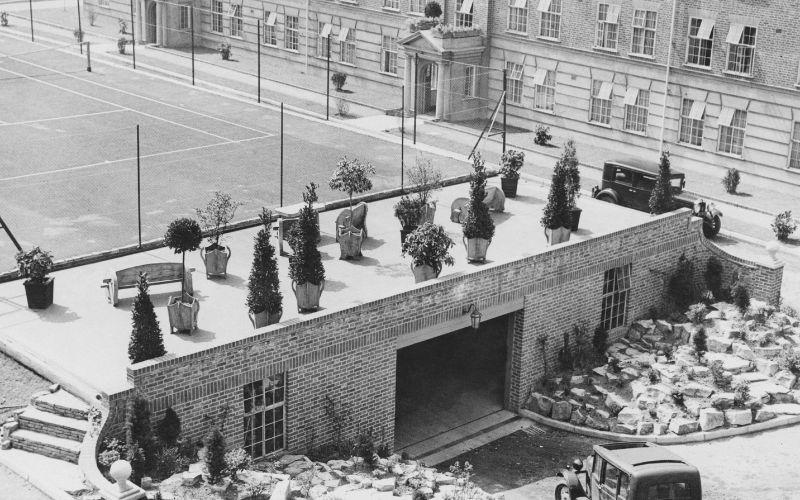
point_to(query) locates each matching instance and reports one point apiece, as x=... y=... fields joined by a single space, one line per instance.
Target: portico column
x=139 y=18
x=158 y=23
x=163 y=24
x=408 y=81
x=440 y=79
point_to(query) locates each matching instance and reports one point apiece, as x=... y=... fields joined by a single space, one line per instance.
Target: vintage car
x=629 y=182
x=629 y=471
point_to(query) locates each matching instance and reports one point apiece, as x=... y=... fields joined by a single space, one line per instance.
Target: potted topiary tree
x=479 y=226
x=661 y=200
x=424 y=179
x=352 y=176
x=429 y=247
x=555 y=215
x=512 y=160
x=408 y=210
x=264 y=298
x=305 y=266
x=183 y=235
x=146 y=341
x=338 y=78
x=34 y=265
x=572 y=179
x=214 y=218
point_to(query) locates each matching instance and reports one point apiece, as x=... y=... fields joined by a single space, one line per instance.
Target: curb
x=695 y=437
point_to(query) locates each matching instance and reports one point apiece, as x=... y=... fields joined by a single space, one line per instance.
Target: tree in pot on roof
x=215 y=217
x=479 y=226
x=424 y=179
x=572 y=179
x=146 y=341
x=429 y=247
x=512 y=161
x=264 y=298
x=34 y=265
x=409 y=210
x=352 y=177
x=305 y=266
x=183 y=235
x=555 y=215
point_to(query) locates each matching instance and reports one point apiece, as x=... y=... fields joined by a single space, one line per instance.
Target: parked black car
x=629 y=182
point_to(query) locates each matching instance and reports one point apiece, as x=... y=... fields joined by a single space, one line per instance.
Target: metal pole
x=138 y=186
x=80 y=29
x=88 y=57
x=281 y=154
x=505 y=105
x=192 y=28
x=133 y=37
x=328 y=80
x=258 y=44
x=666 y=79
x=416 y=73
x=402 y=132
x=8 y=232
x=30 y=5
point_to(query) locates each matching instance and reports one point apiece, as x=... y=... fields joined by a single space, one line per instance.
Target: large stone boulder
x=785 y=378
x=718 y=344
x=739 y=417
x=767 y=366
x=768 y=352
x=541 y=404
x=743 y=351
x=562 y=410
x=683 y=426
x=623 y=429
x=697 y=390
x=644 y=428
x=710 y=418
x=384 y=484
x=735 y=364
x=578 y=393
x=578 y=416
x=766 y=390
x=596 y=422
x=664 y=327
x=784 y=408
x=615 y=402
x=763 y=414
x=722 y=400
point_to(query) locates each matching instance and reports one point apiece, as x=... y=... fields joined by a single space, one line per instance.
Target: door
x=150 y=23
x=643 y=185
x=428 y=83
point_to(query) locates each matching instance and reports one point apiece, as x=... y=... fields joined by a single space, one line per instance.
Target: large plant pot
x=39 y=293
x=308 y=295
x=509 y=186
x=557 y=235
x=574 y=218
x=263 y=318
x=476 y=249
x=216 y=260
x=405 y=232
x=183 y=314
x=423 y=273
x=350 y=241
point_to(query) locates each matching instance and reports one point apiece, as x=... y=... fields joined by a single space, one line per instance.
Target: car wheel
x=711 y=226
x=606 y=198
x=562 y=492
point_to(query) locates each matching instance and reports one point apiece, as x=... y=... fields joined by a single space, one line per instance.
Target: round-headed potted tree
x=512 y=160
x=183 y=235
x=264 y=298
x=408 y=210
x=555 y=215
x=214 y=218
x=429 y=247
x=424 y=179
x=305 y=266
x=352 y=177
x=34 y=265
x=479 y=226
x=572 y=182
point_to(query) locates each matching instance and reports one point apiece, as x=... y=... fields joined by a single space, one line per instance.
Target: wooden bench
x=287 y=218
x=157 y=274
x=495 y=200
x=358 y=219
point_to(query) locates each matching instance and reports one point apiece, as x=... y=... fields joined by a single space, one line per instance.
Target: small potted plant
x=121 y=43
x=424 y=179
x=337 y=79
x=479 y=226
x=78 y=34
x=408 y=210
x=183 y=235
x=214 y=218
x=352 y=176
x=569 y=161
x=555 y=215
x=305 y=266
x=225 y=51
x=34 y=265
x=429 y=247
x=783 y=225
x=512 y=160
x=264 y=298
x=4 y=18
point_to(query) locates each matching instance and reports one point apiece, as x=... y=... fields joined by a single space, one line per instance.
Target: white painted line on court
x=28 y=122
x=132 y=158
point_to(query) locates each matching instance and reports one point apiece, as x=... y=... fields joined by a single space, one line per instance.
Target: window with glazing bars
x=236 y=20
x=701 y=42
x=518 y=16
x=389 y=54
x=513 y=82
x=264 y=416
x=691 y=127
x=616 y=288
x=732 y=124
x=292 y=33
x=794 y=149
x=550 y=22
x=643 y=40
x=391 y=4
x=183 y=17
x=347 y=45
x=544 y=90
x=323 y=33
x=741 y=49
x=463 y=18
x=469 y=81
x=416 y=5
x=600 y=107
x=216 y=16
x=269 y=37
x=637 y=104
x=607 y=17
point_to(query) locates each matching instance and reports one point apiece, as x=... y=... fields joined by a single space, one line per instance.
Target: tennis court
x=68 y=167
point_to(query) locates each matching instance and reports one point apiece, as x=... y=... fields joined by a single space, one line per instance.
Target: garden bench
x=157 y=274
x=288 y=217
x=358 y=219
x=494 y=200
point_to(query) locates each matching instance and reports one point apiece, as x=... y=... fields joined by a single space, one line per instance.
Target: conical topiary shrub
x=264 y=298
x=305 y=266
x=661 y=200
x=555 y=215
x=479 y=224
x=146 y=340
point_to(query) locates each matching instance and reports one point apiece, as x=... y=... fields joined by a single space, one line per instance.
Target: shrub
x=168 y=462
x=3 y=18
x=661 y=200
x=429 y=245
x=215 y=456
x=741 y=297
x=139 y=439
x=542 y=137
x=34 y=264
x=169 y=428
x=653 y=376
x=700 y=342
x=352 y=176
x=237 y=460
x=409 y=211
x=565 y=358
x=338 y=78
x=789 y=360
x=572 y=175
x=512 y=161
x=788 y=310
x=600 y=341
x=263 y=285
x=433 y=10
x=365 y=447
x=678 y=397
x=721 y=379
x=580 y=331
x=741 y=393
x=146 y=340
x=479 y=223
x=556 y=212
x=731 y=180
x=110 y=451
x=713 y=276
x=696 y=313
x=783 y=225
x=306 y=266
x=424 y=179
x=681 y=283
x=614 y=365
x=121 y=43
x=216 y=215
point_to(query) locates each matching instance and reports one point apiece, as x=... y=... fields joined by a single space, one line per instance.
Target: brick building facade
x=275 y=382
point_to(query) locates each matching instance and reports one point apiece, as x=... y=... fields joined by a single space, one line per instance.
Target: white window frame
x=732 y=125
x=391 y=4
x=637 y=109
x=741 y=56
x=291 y=33
x=216 y=16
x=517 y=16
x=641 y=31
x=235 y=19
x=550 y=19
x=607 y=34
x=184 y=17
x=416 y=6
x=347 y=46
x=389 y=54
x=463 y=16
x=700 y=46
x=323 y=34
x=514 y=85
x=269 y=36
x=794 y=146
x=104 y=3
x=600 y=102
x=616 y=292
x=692 y=122
x=263 y=420
x=544 y=90
x=470 y=80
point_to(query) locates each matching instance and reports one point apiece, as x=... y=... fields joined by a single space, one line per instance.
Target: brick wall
x=350 y=355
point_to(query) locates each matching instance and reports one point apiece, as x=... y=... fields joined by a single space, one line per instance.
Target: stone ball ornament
x=121 y=471
x=772 y=248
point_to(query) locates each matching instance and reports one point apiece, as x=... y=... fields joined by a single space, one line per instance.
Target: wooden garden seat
x=157 y=274
x=494 y=200
x=358 y=219
x=458 y=210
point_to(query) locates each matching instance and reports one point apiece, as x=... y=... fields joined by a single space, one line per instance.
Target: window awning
x=725 y=117
x=735 y=33
x=516 y=71
x=539 y=76
x=631 y=95
x=605 y=91
x=326 y=31
x=233 y=10
x=519 y=4
x=271 y=19
x=612 y=15
x=343 y=33
x=466 y=7
x=544 y=6
x=698 y=108
x=705 y=29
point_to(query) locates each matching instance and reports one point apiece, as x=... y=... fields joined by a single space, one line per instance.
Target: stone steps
x=44 y=422
x=62 y=403
x=47 y=445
